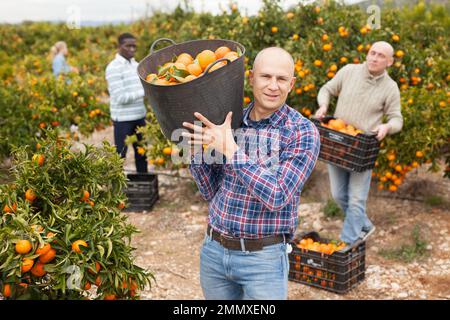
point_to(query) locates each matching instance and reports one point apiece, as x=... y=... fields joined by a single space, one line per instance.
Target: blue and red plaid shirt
x=255 y=197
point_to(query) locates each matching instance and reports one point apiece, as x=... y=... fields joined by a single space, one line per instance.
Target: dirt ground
x=172 y=233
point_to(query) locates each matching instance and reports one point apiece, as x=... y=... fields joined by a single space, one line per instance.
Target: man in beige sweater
x=366 y=95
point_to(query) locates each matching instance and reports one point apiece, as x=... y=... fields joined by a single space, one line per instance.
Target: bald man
x=366 y=95
x=254 y=197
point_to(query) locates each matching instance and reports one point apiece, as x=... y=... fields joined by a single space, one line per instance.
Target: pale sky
x=13 y=11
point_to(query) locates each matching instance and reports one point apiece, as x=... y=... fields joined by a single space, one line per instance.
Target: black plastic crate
x=141 y=191
x=355 y=153
x=338 y=272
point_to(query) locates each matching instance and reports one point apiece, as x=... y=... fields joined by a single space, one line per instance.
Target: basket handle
x=159 y=40
x=215 y=62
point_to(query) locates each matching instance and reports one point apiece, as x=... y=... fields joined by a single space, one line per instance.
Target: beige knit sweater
x=363 y=98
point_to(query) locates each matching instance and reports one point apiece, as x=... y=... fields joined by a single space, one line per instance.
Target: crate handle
x=159 y=40
x=213 y=63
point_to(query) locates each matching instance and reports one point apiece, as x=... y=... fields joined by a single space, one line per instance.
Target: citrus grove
x=322 y=40
x=60 y=215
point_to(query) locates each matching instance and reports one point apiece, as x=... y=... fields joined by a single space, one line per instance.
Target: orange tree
x=35 y=103
x=62 y=232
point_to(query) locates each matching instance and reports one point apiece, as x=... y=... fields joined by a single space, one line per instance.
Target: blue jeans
x=350 y=190
x=242 y=275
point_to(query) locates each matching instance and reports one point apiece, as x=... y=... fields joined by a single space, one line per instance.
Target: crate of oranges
x=326 y=264
x=205 y=76
x=346 y=146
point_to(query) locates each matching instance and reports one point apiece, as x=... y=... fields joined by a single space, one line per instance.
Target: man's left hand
x=382 y=130
x=218 y=137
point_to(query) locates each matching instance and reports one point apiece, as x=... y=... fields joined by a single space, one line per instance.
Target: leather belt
x=242 y=244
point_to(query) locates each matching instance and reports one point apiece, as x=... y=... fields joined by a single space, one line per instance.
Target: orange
x=419 y=154
x=343 y=60
x=27 y=264
x=185 y=58
x=48 y=257
x=232 y=55
x=39 y=159
x=194 y=69
x=391 y=157
x=86 y=195
x=190 y=78
x=325 y=37
x=318 y=63
x=274 y=29
x=217 y=66
x=205 y=58
x=327 y=47
x=399 y=53
x=97 y=268
x=221 y=52
x=150 y=77
x=76 y=245
x=98 y=281
x=141 y=151
x=392 y=188
x=333 y=68
x=87 y=286
x=38 y=270
x=395 y=38
x=161 y=82
x=337 y=124
x=110 y=297
x=159 y=161
x=167 y=151
x=8 y=209
x=23 y=246
x=42 y=251
x=30 y=195
x=7 y=290
x=398 y=168
x=121 y=205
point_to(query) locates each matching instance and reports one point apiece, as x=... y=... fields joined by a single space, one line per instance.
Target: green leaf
x=110 y=247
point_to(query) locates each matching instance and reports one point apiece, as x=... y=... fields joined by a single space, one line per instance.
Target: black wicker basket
x=214 y=94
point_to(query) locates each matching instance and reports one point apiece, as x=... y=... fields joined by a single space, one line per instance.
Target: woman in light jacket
x=59 y=63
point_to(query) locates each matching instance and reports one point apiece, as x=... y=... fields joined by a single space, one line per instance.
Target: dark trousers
x=123 y=129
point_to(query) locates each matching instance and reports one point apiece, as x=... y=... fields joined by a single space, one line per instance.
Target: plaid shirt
x=254 y=197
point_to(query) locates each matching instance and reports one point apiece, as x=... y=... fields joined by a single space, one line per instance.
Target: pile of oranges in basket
x=185 y=68
x=341 y=126
x=327 y=248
